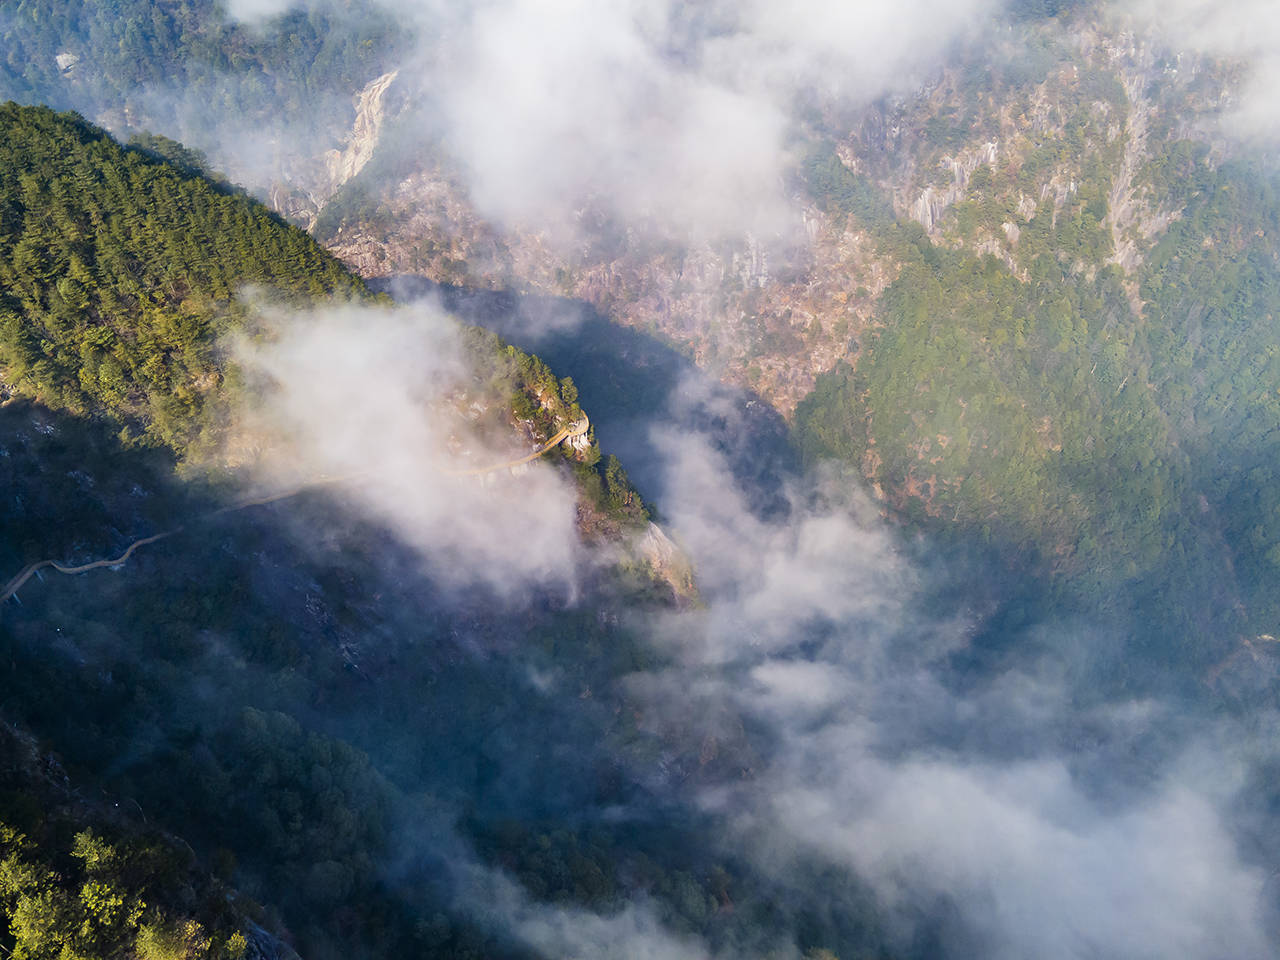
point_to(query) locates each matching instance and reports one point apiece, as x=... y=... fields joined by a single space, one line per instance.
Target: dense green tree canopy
x=119 y=272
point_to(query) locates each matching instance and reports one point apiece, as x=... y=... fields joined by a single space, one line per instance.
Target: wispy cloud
x=1053 y=829
x=1245 y=33
x=671 y=116
x=632 y=933
x=391 y=401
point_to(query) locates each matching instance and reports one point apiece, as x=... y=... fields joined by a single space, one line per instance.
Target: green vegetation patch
x=119 y=272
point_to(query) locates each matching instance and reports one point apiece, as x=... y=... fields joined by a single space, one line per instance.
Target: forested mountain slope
x=1077 y=362
x=190 y=70
x=991 y=674
x=1025 y=296
x=87 y=879
x=123 y=272
x=116 y=52
x=120 y=273
x=195 y=676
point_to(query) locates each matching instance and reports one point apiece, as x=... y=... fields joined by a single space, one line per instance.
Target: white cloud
x=373 y=395
x=812 y=633
x=671 y=115
x=668 y=114
x=256 y=10
x=1245 y=32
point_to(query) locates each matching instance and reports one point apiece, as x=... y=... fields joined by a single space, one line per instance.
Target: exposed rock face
x=344 y=164
x=667 y=562
x=769 y=314
x=265 y=946
x=772 y=313
x=305 y=185
x=933 y=202
x=1133 y=221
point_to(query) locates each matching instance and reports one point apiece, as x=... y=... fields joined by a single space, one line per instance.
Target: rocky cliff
x=975 y=160
x=306 y=184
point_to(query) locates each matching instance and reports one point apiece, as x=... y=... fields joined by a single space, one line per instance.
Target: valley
x=644 y=480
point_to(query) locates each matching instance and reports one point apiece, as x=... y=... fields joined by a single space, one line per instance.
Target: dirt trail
x=576 y=429
x=16 y=583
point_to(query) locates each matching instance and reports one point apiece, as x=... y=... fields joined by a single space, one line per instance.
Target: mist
x=388 y=405
x=676 y=119
x=1244 y=33
x=1007 y=807
x=814 y=709
x=1053 y=829
x=1006 y=813
x=634 y=932
x=666 y=115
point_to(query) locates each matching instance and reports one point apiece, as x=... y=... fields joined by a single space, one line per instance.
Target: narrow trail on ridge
x=576 y=429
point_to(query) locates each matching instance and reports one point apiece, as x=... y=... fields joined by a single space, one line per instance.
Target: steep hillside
x=121 y=271
x=944 y=336
x=87 y=879
x=1044 y=373
x=124 y=272
x=1038 y=119
x=986 y=308
x=283 y=90
x=204 y=662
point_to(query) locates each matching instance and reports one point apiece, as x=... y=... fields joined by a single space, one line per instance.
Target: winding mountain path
x=576 y=429
x=16 y=583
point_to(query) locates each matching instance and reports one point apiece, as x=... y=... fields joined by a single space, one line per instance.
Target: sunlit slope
x=119 y=272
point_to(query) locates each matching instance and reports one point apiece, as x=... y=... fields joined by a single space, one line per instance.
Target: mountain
x=82 y=878
x=124 y=273
x=117 y=260
x=938 y=337
x=988 y=313
x=190 y=70
x=119 y=272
